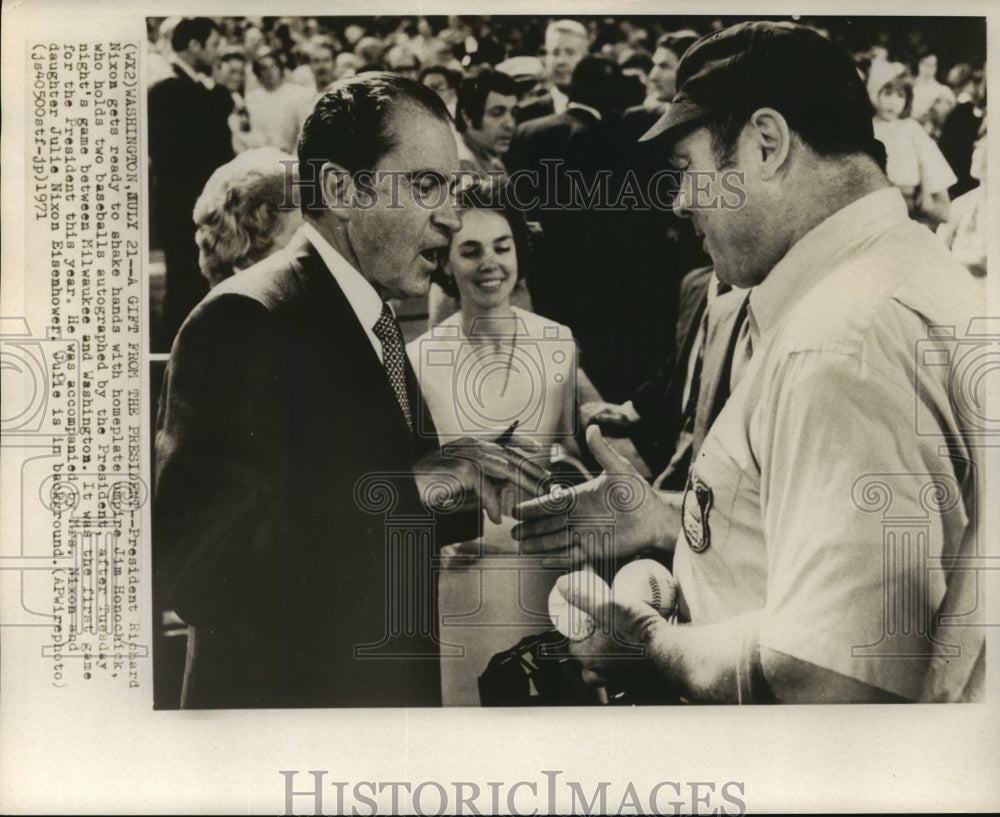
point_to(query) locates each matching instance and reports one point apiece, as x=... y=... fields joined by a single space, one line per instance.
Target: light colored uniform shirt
x=837 y=472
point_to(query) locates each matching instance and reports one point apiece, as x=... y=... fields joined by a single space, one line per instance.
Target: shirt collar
x=559 y=99
x=197 y=76
x=818 y=252
x=360 y=294
x=581 y=107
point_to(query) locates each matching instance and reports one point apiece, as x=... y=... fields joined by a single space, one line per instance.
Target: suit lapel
x=346 y=349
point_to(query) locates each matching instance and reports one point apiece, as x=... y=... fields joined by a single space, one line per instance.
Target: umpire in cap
x=796 y=582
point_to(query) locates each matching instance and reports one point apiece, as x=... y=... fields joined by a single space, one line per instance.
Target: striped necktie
x=387 y=331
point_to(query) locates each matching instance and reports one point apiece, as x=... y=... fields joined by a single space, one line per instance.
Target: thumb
x=585 y=590
x=610 y=460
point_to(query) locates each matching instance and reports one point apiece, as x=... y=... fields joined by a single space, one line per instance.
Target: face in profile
x=483 y=260
x=206 y=55
x=403 y=217
x=734 y=232
x=663 y=77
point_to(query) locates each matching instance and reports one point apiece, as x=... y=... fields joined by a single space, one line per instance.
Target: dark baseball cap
x=788 y=67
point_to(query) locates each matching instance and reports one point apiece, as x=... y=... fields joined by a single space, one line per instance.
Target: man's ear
x=338 y=189
x=770 y=139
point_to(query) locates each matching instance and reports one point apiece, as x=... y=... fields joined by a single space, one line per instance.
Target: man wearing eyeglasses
x=300 y=494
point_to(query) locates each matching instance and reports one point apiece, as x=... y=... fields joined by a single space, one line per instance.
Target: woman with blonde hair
x=242 y=215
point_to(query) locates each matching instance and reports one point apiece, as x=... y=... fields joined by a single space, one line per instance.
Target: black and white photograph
x=567 y=361
x=549 y=409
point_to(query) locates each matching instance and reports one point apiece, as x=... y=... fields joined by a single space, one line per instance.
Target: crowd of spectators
x=519 y=101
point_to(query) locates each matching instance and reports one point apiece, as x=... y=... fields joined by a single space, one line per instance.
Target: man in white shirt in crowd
x=566 y=43
x=277 y=108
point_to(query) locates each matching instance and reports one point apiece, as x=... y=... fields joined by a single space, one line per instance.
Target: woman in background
x=240 y=217
x=480 y=370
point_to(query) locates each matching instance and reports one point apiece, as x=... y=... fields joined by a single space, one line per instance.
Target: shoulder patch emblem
x=694 y=513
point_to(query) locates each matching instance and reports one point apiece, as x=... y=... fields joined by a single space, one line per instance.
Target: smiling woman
x=480 y=370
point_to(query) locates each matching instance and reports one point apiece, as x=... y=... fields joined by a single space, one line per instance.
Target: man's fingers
x=610 y=460
x=508 y=498
x=500 y=462
x=544 y=542
x=585 y=590
x=492 y=504
x=554 y=502
x=538 y=525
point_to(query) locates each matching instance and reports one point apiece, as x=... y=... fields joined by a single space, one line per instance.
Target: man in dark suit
x=567 y=167
x=189 y=138
x=292 y=529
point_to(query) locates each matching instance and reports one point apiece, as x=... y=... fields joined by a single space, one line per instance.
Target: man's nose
x=682 y=203
x=448 y=216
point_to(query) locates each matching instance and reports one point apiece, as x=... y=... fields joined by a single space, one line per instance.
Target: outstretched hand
x=645 y=519
x=468 y=471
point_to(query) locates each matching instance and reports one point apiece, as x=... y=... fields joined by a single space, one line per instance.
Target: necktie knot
x=387 y=331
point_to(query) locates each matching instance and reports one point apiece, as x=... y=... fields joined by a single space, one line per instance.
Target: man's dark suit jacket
x=267 y=540
x=580 y=275
x=536 y=109
x=189 y=138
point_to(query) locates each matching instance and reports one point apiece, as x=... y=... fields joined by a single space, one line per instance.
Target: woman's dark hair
x=494 y=195
x=902 y=85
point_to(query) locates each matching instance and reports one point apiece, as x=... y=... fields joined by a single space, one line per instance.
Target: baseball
x=571 y=621
x=649 y=581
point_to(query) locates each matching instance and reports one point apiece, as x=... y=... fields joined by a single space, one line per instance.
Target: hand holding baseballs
x=610 y=629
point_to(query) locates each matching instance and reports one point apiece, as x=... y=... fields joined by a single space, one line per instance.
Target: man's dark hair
x=640 y=60
x=231 y=53
x=677 y=41
x=597 y=83
x=472 y=95
x=350 y=125
x=192 y=28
